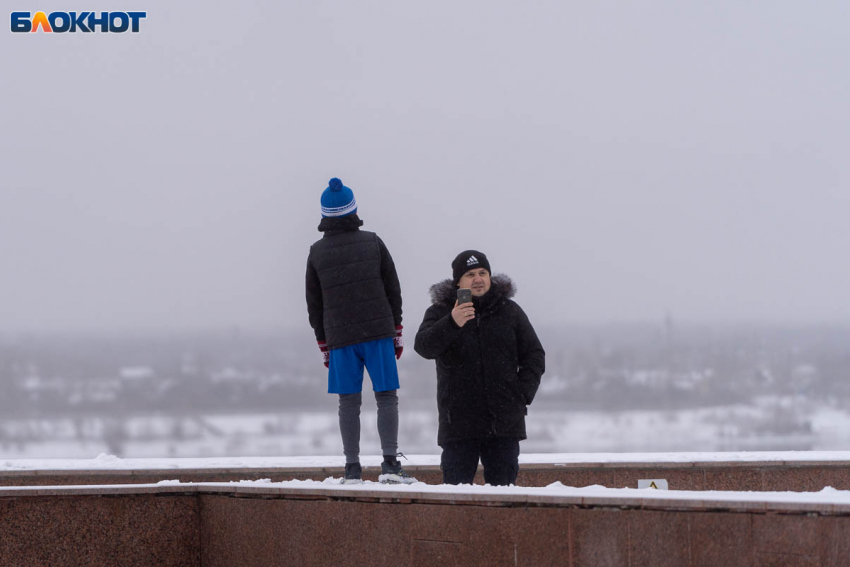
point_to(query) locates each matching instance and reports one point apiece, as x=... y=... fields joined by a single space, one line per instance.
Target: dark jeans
x=499 y=456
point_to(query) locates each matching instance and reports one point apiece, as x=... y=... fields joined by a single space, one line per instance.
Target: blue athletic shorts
x=346 y=367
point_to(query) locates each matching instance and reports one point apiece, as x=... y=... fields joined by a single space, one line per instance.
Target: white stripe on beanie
x=340 y=211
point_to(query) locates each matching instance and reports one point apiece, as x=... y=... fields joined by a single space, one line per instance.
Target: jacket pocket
x=444 y=400
x=516 y=388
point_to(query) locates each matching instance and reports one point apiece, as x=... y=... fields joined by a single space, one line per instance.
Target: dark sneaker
x=392 y=473
x=353 y=472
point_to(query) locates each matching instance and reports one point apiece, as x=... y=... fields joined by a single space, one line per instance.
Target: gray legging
x=349 y=423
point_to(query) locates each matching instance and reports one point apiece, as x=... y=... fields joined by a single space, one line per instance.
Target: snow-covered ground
x=111 y=462
x=741 y=427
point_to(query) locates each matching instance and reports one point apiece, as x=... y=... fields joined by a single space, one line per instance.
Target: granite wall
x=58 y=530
x=757 y=476
x=268 y=525
x=242 y=532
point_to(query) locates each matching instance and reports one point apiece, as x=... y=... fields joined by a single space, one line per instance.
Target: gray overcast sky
x=616 y=159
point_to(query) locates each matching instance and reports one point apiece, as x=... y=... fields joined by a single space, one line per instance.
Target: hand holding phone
x=463 y=310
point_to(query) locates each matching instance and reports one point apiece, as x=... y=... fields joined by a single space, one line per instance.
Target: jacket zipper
x=481 y=352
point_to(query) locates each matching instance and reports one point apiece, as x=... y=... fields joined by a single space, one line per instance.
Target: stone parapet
x=249 y=524
x=779 y=475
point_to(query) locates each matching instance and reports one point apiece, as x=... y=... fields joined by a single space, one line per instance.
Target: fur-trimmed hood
x=446 y=292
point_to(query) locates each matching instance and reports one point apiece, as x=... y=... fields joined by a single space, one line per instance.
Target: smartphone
x=464 y=296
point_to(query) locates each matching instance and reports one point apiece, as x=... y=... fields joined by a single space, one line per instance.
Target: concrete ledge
x=242 y=524
x=825 y=503
x=755 y=475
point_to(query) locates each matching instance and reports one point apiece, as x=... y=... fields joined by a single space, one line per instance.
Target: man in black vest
x=354 y=304
x=489 y=364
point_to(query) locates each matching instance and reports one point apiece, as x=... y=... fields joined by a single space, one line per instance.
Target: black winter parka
x=488 y=371
x=353 y=293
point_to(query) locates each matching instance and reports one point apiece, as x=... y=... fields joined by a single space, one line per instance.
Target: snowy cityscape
x=607 y=388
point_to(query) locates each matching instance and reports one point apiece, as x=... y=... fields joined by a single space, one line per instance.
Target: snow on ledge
x=828 y=500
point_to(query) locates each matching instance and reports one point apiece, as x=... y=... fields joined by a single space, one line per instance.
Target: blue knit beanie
x=338 y=200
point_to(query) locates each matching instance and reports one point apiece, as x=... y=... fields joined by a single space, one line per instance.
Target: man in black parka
x=489 y=364
x=354 y=305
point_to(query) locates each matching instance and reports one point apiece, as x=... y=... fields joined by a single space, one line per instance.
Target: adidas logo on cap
x=472 y=261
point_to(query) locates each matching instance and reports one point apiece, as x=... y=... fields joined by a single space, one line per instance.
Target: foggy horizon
x=544 y=329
